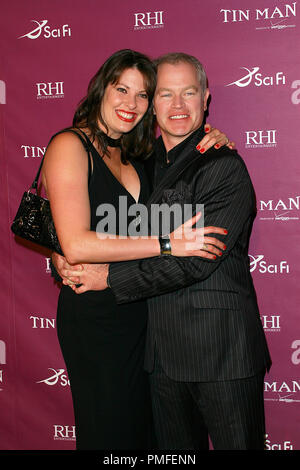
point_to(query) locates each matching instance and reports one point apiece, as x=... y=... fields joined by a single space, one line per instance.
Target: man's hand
x=60 y=264
x=90 y=276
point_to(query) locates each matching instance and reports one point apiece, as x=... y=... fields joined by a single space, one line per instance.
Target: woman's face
x=124 y=103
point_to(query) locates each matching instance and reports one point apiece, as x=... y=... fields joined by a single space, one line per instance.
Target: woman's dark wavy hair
x=138 y=142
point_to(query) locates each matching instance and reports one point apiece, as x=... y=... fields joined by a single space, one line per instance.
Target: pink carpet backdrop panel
x=50 y=50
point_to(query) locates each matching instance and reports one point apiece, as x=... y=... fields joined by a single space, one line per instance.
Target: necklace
x=112 y=142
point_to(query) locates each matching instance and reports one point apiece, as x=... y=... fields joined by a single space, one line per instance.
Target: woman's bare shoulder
x=67 y=141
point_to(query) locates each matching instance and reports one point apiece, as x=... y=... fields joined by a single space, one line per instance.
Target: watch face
x=165 y=245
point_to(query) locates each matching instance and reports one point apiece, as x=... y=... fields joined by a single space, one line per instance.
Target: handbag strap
x=86 y=143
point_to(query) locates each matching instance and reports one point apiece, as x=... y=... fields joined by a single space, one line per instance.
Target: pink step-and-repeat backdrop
x=49 y=51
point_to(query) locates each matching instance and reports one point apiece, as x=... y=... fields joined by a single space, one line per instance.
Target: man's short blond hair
x=174 y=58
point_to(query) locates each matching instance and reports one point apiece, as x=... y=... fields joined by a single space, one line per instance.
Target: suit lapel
x=173 y=174
x=187 y=157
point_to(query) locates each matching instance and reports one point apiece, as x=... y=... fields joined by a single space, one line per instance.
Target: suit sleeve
x=229 y=202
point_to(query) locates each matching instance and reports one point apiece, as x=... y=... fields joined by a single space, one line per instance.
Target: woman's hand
x=189 y=241
x=215 y=138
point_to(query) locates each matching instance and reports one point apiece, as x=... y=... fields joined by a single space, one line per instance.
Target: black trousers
x=230 y=412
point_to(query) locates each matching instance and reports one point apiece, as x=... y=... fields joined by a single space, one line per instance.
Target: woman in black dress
x=89 y=165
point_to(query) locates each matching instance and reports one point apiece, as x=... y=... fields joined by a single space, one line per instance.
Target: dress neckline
x=111 y=173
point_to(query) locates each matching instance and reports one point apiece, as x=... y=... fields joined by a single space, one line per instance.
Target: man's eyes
x=169 y=95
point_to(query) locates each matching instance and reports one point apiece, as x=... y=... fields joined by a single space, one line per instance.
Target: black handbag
x=33 y=220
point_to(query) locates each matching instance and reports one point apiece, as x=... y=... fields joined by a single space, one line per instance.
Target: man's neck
x=171 y=141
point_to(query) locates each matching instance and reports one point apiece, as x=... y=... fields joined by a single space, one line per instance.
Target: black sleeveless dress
x=103 y=345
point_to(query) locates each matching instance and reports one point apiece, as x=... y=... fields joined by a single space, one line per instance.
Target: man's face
x=179 y=103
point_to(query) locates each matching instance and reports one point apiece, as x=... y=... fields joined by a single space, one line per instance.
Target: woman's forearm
x=88 y=247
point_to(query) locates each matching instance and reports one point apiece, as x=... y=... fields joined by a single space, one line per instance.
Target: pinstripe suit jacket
x=204 y=321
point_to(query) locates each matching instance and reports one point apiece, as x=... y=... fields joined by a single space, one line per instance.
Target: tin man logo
x=280 y=209
x=288 y=392
x=273 y=18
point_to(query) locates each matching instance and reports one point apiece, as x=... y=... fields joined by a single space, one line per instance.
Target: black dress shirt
x=164 y=160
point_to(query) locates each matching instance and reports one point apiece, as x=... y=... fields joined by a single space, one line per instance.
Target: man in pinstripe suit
x=206 y=352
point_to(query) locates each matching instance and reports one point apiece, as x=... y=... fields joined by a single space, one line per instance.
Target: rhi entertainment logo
x=64 y=433
x=258 y=79
x=261 y=139
x=278 y=17
x=50 y=90
x=279 y=209
x=257 y=263
x=58 y=377
x=2 y=92
x=44 y=30
x=287 y=392
x=271 y=323
x=148 y=20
